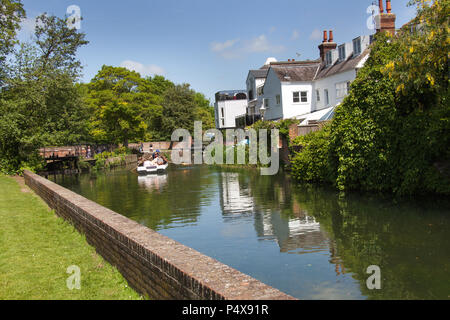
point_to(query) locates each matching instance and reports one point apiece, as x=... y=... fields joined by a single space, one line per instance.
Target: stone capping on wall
x=154 y=265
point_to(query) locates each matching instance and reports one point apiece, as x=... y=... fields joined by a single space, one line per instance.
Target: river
x=307 y=241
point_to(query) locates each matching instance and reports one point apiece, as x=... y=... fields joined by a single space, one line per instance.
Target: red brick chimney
x=327 y=44
x=386 y=21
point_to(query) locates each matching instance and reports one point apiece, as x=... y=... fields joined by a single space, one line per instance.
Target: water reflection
x=235 y=196
x=307 y=241
x=153 y=182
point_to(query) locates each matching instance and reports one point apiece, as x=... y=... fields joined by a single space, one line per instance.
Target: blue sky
x=207 y=43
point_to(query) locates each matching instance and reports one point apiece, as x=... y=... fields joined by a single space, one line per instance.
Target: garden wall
x=154 y=265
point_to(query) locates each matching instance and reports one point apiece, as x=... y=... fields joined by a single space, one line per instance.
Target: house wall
x=272 y=88
x=291 y=109
x=232 y=109
x=254 y=84
x=330 y=84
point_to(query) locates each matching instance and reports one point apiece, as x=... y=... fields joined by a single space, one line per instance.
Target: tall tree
x=123 y=106
x=11 y=13
x=40 y=104
x=179 y=110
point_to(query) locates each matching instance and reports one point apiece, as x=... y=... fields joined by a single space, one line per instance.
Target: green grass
x=37 y=247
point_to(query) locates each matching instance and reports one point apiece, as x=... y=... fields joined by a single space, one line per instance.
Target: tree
x=392 y=132
x=40 y=104
x=123 y=106
x=11 y=13
x=204 y=111
x=178 y=110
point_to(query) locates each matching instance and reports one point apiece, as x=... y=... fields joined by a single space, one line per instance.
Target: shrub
x=311 y=164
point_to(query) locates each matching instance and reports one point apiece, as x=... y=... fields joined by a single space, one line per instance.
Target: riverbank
x=37 y=247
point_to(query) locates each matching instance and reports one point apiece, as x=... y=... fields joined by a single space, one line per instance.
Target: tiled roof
x=296 y=72
x=341 y=66
x=261 y=73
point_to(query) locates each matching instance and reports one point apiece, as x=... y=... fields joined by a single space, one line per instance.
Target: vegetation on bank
x=42 y=102
x=37 y=247
x=392 y=133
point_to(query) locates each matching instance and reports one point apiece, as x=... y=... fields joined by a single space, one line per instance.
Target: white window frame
x=342 y=53
x=260 y=91
x=357 y=46
x=278 y=99
x=341 y=89
x=266 y=103
x=327 y=96
x=329 y=58
x=300 y=97
x=318 y=95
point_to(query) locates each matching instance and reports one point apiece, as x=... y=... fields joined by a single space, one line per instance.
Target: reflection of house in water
x=235 y=198
x=295 y=235
x=153 y=182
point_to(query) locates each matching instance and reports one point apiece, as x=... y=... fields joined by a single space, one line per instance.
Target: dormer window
x=342 y=52
x=357 y=46
x=329 y=58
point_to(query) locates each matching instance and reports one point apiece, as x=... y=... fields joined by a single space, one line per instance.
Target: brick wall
x=154 y=265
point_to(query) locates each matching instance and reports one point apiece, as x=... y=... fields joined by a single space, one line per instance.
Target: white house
x=300 y=89
x=255 y=84
x=228 y=106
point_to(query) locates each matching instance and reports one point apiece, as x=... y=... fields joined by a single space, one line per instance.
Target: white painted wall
x=231 y=109
x=287 y=108
x=272 y=88
x=330 y=84
x=254 y=84
x=291 y=109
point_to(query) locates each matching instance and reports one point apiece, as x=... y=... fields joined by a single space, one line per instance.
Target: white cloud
x=220 y=47
x=295 y=35
x=316 y=35
x=234 y=49
x=144 y=70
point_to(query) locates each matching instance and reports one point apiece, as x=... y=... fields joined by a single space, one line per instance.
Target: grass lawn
x=37 y=247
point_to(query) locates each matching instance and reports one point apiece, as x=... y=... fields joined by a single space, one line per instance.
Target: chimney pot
x=325 y=36
x=380 y=4
x=388 y=6
x=331 y=36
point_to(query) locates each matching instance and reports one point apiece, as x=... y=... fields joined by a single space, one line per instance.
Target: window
x=318 y=95
x=223 y=113
x=348 y=87
x=260 y=91
x=327 y=97
x=342 y=52
x=357 y=46
x=329 y=58
x=304 y=96
x=300 y=96
x=342 y=89
x=278 y=99
x=223 y=122
x=266 y=103
x=250 y=95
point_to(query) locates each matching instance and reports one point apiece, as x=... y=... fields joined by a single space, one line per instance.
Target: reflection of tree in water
x=176 y=200
x=407 y=240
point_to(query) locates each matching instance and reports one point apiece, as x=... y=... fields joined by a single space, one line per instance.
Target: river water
x=307 y=241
